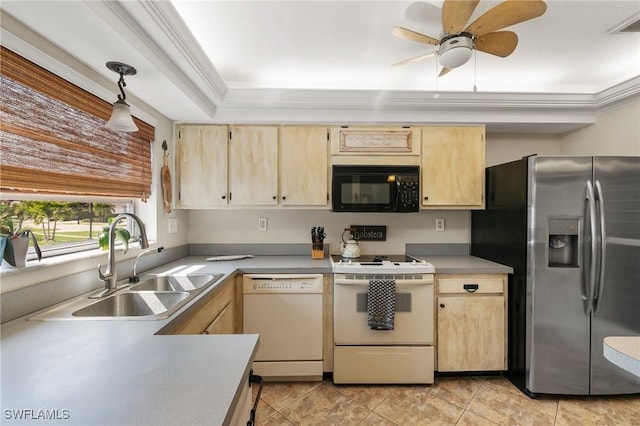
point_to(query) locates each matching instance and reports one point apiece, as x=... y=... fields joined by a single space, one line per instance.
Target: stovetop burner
x=374 y=258
x=384 y=264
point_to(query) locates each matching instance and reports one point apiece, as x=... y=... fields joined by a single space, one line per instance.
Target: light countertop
x=623 y=351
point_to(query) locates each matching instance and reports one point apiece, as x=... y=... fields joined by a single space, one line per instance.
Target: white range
x=404 y=354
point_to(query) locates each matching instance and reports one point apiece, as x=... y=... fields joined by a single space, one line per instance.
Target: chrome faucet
x=134 y=278
x=110 y=277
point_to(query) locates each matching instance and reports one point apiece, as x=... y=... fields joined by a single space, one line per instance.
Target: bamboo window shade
x=53 y=139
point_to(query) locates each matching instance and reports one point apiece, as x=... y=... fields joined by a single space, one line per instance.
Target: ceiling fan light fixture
x=121 y=119
x=455 y=51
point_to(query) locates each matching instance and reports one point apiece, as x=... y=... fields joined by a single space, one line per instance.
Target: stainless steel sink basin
x=133 y=304
x=155 y=297
x=188 y=283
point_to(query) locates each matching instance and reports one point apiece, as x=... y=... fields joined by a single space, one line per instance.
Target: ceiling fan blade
x=507 y=13
x=499 y=43
x=444 y=71
x=456 y=13
x=416 y=59
x=412 y=35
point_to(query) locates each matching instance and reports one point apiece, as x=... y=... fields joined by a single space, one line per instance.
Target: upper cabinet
x=304 y=168
x=201 y=163
x=289 y=166
x=253 y=165
x=453 y=167
x=222 y=166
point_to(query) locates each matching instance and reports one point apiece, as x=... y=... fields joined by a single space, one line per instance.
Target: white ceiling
x=329 y=61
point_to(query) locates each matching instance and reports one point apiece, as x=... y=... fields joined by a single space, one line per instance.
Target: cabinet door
x=223 y=323
x=303 y=166
x=253 y=165
x=453 y=167
x=471 y=333
x=201 y=154
x=201 y=317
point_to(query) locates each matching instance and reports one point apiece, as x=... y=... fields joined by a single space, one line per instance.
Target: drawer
x=470 y=285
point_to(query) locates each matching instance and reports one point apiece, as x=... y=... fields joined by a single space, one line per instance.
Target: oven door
x=414 y=315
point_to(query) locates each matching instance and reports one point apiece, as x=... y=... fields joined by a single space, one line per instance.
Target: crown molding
x=125 y=18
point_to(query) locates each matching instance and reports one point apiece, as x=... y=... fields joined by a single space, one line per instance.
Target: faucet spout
x=134 y=278
x=109 y=276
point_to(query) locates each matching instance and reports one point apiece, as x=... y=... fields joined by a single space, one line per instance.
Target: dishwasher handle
x=254 y=378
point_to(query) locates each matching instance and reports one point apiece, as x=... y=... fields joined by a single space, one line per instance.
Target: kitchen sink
x=154 y=297
x=187 y=283
x=133 y=304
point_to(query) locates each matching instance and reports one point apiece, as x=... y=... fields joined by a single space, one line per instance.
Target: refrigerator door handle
x=591 y=281
x=599 y=293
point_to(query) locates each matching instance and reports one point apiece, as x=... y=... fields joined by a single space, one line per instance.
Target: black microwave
x=364 y=188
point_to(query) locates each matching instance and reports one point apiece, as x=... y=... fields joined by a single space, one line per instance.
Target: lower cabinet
x=215 y=315
x=242 y=414
x=472 y=320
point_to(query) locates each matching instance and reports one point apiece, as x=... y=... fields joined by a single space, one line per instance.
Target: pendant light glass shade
x=121 y=119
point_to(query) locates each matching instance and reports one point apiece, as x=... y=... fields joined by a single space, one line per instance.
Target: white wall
x=502 y=147
x=616 y=132
x=294 y=226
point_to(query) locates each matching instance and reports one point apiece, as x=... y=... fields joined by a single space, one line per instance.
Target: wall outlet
x=262 y=223
x=440 y=224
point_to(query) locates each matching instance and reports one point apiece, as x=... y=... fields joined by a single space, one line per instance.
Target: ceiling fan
x=457 y=42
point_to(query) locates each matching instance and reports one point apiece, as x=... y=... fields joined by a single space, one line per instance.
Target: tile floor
x=491 y=400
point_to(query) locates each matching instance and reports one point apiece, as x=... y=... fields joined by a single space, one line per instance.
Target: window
x=62 y=227
x=58 y=159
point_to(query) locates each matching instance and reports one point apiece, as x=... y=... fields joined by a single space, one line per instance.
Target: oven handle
x=425 y=281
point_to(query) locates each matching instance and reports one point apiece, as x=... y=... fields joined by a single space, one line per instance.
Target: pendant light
x=121 y=119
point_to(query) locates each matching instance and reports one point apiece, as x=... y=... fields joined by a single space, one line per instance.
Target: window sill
x=54 y=267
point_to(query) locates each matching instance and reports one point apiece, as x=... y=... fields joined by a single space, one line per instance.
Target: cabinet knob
x=442 y=305
x=284 y=197
x=274 y=197
x=224 y=197
x=426 y=198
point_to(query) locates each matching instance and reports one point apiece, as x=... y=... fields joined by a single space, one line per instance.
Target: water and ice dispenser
x=563 y=242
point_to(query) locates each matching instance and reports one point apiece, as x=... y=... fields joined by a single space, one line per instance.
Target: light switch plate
x=440 y=224
x=173 y=225
x=262 y=223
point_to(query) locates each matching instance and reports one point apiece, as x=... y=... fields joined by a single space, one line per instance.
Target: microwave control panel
x=408 y=193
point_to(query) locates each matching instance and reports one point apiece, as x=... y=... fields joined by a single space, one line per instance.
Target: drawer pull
x=471 y=288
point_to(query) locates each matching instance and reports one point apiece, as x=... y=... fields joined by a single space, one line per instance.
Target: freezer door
x=616 y=308
x=558 y=322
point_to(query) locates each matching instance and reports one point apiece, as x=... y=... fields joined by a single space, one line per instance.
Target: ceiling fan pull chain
x=436 y=95
x=475 y=72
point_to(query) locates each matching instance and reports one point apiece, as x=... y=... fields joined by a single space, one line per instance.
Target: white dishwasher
x=286 y=311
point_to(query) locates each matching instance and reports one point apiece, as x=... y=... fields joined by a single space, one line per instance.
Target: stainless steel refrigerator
x=570 y=228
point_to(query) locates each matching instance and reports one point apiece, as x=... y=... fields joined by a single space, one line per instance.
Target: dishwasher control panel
x=282 y=283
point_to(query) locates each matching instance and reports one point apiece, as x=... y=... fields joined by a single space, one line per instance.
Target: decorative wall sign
x=375 y=140
x=369 y=232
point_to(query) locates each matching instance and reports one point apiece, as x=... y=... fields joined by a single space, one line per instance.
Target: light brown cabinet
x=201 y=166
x=453 y=167
x=303 y=166
x=253 y=165
x=471 y=322
x=214 y=315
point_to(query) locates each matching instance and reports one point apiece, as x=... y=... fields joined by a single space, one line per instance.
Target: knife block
x=317 y=251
